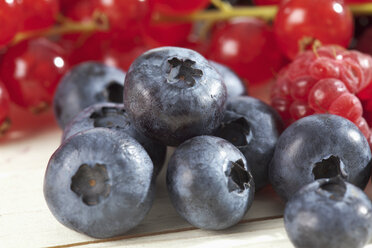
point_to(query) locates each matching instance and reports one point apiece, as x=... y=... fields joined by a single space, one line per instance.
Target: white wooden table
x=25 y=220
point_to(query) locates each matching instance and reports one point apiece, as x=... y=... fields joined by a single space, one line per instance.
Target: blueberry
x=99 y=182
x=173 y=94
x=234 y=85
x=253 y=127
x=86 y=84
x=111 y=115
x=329 y=213
x=319 y=146
x=209 y=182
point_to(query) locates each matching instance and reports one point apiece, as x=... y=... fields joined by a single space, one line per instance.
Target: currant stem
x=264 y=12
x=99 y=22
x=361 y=9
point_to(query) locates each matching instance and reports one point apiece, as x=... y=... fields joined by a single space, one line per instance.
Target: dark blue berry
x=319 y=146
x=329 y=213
x=173 y=94
x=209 y=182
x=253 y=127
x=85 y=85
x=234 y=84
x=99 y=182
x=111 y=115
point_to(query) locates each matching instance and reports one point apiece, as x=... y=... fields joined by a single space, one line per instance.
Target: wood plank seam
x=156 y=233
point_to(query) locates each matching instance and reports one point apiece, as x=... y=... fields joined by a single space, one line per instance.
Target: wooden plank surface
x=25 y=220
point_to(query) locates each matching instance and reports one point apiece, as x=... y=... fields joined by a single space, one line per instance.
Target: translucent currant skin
x=299 y=22
x=66 y=4
x=165 y=34
x=4 y=108
x=122 y=26
x=100 y=49
x=31 y=71
x=126 y=25
x=179 y=6
x=10 y=25
x=39 y=14
x=110 y=47
x=246 y=45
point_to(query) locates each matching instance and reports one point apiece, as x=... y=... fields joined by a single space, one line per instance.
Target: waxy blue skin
x=129 y=178
x=173 y=94
x=258 y=139
x=84 y=85
x=200 y=186
x=117 y=118
x=312 y=139
x=234 y=84
x=329 y=213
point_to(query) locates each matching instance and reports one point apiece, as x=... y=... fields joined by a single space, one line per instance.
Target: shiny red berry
x=10 y=25
x=179 y=6
x=125 y=18
x=298 y=23
x=38 y=14
x=31 y=71
x=247 y=46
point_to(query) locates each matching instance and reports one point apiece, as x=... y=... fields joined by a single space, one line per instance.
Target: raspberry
x=329 y=79
x=324 y=93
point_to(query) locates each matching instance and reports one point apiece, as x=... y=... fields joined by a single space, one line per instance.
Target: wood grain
x=25 y=220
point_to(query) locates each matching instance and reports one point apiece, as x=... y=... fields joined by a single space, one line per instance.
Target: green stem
x=361 y=9
x=99 y=22
x=263 y=12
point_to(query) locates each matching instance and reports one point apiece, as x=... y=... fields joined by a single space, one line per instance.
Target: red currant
x=122 y=26
x=196 y=44
x=98 y=48
x=248 y=47
x=82 y=10
x=66 y=4
x=165 y=34
x=299 y=22
x=123 y=57
x=39 y=14
x=9 y=10
x=179 y=6
x=31 y=71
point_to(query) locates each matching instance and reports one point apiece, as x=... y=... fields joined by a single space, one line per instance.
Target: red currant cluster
x=50 y=36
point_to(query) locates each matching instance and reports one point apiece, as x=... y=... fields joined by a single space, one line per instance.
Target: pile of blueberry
x=101 y=180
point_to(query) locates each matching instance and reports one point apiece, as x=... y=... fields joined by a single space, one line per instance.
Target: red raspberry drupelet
x=329 y=79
